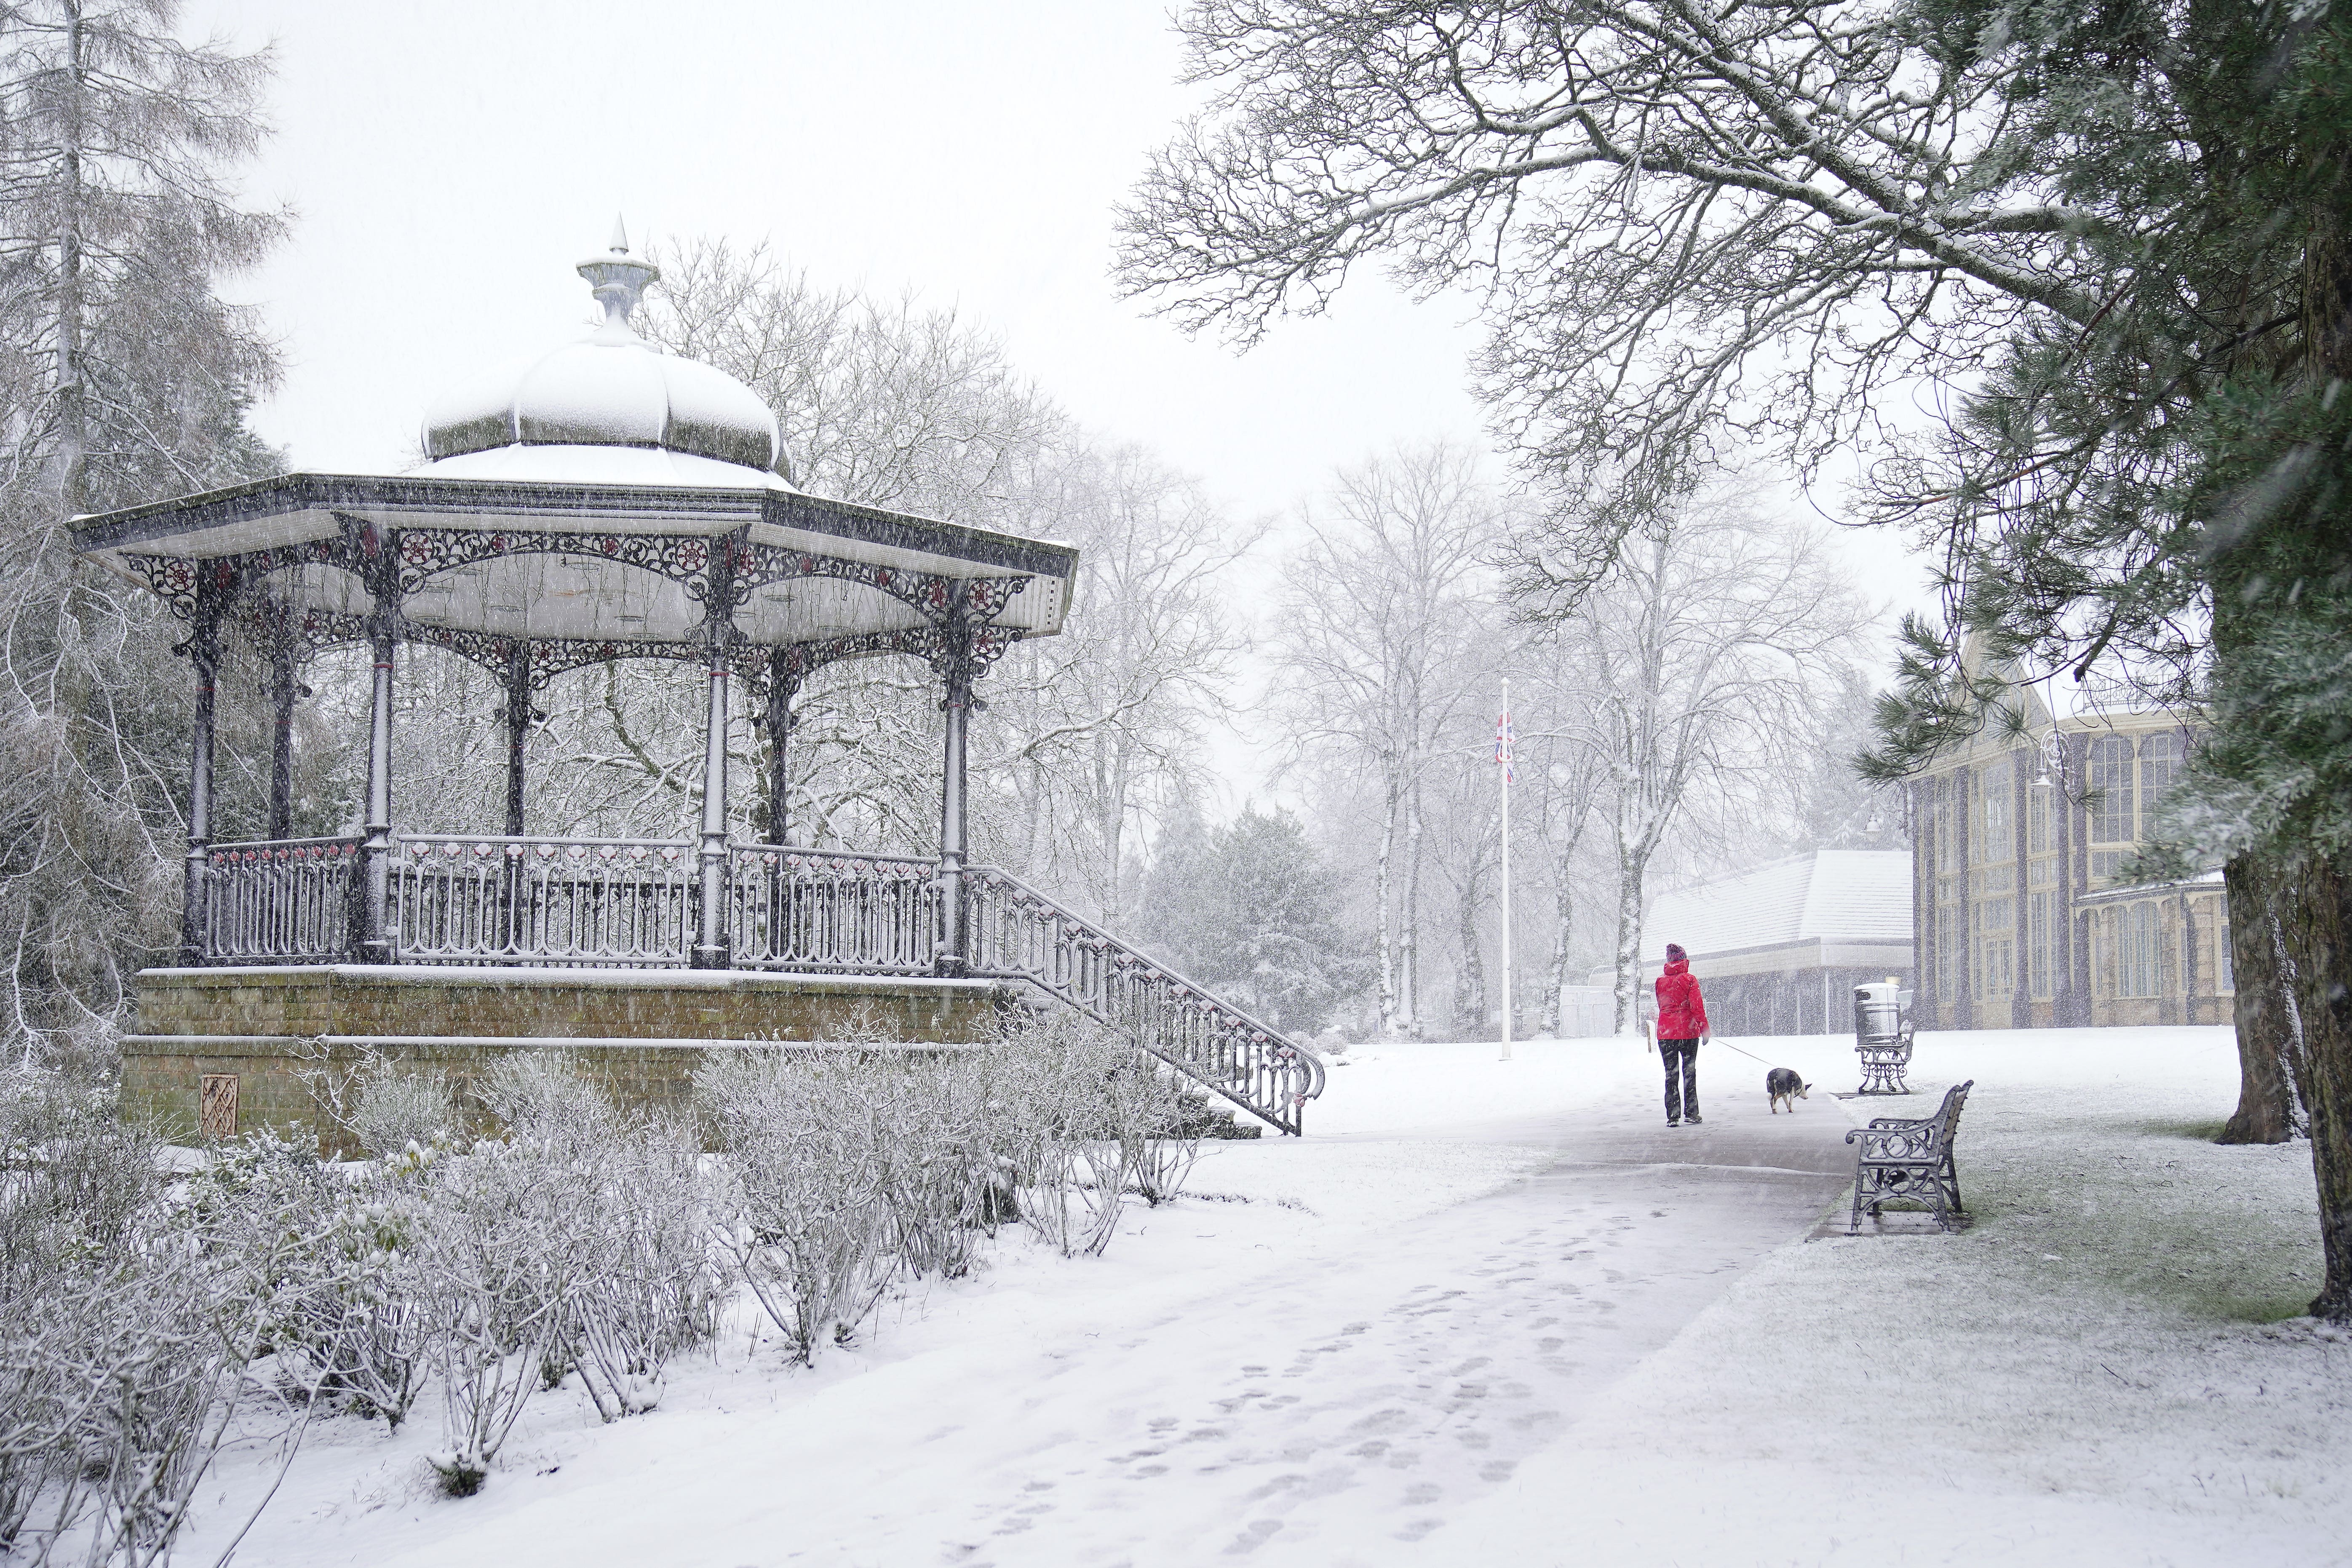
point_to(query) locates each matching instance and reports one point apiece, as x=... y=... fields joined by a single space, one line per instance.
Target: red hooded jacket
x=1682 y=1014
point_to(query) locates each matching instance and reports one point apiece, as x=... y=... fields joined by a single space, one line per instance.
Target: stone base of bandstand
x=222 y=1052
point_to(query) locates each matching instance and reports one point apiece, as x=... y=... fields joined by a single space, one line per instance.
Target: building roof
x=1827 y=895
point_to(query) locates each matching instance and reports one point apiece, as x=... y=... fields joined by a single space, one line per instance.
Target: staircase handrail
x=1290 y=1057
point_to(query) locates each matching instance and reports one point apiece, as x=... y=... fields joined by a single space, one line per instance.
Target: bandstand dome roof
x=565 y=413
x=580 y=498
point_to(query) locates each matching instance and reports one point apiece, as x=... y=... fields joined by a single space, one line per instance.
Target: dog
x=1780 y=1085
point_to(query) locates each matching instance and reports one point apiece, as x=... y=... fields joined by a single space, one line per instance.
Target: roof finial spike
x=619 y=278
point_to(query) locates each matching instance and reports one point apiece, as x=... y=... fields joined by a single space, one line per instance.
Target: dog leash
x=1751 y=1056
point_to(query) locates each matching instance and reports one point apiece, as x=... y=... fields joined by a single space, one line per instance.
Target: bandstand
x=603 y=501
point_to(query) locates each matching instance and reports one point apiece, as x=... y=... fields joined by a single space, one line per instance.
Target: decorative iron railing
x=832 y=912
x=1014 y=933
x=285 y=901
x=616 y=903
x=469 y=898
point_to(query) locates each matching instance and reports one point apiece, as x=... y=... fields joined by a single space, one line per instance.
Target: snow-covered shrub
x=800 y=1197
x=508 y=1247
x=77 y=1189
x=1085 y=1117
x=649 y=1285
x=346 y=1313
x=1159 y=1135
x=544 y=1095
x=129 y=1315
x=155 y=1344
x=377 y=1103
x=659 y=1288
x=939 y=1159
x=395 y=1109
x=1061 y=1126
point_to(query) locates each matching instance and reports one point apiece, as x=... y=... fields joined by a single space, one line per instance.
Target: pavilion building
x=1778 y=948
x=2018 y=837
x=605 y=501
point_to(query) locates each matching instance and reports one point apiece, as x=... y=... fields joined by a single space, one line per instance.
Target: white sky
x=451 y=159
x=451 y=162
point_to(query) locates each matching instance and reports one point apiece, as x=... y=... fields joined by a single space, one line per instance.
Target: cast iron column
x=710 y=947
x=283 y=689
x=514 y=901
x=204 y=656
x=518 y=732
x=374 y=935
x=780 y=728
x=956 y=667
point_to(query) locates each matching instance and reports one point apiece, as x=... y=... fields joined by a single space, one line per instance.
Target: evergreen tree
x=1262 y=928
x=1175 y=916
x=125 y=378
x=2165 y=485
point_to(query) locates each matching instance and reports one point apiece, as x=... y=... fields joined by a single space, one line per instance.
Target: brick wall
x=283 y=1033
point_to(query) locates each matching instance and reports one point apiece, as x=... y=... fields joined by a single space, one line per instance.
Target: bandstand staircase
x=452 y=899
x=1017 y=933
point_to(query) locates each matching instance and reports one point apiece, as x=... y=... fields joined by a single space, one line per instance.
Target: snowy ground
x=1498 y=1312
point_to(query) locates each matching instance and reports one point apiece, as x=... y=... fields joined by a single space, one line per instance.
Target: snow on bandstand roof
x=579 y=498
x=569 y=413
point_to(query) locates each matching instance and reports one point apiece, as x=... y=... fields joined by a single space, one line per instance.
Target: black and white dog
x=1780 y=1084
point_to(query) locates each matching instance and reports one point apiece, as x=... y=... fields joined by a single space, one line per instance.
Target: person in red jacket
x=1682 y=1025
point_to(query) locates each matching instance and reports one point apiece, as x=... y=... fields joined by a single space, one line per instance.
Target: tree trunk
x=1388 y=914
x=1409 y=919
x=1630 y=869
x=1563 y=911
x=73 y=430
x=1470 y=987
x=2314 y=900
x=2270 y=1046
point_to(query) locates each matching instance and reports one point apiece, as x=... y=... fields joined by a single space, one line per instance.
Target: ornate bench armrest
x=1924 y=1142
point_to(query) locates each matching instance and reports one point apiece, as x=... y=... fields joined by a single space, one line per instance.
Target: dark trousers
x=1682 y=1089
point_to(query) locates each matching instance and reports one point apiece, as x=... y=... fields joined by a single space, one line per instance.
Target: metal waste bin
x=1882 y=1036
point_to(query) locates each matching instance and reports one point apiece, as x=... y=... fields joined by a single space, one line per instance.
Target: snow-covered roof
x=590 y=465
x=611 y=388
x=1828 y=894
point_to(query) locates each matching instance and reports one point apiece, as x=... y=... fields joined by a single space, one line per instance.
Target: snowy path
x=1358 y=1383
x=1385 y=1386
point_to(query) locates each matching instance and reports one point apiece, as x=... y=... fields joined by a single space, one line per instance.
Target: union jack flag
x=1504 y=741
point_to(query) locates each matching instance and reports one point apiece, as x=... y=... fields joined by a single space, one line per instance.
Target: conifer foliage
x=1244 y=908
x=126 y=378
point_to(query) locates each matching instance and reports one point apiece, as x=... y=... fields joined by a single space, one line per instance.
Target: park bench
x=1910 y=1159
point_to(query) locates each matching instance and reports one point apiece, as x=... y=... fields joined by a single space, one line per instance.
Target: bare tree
x=1701 y=655
x=1676 y=214
x=1561 y=774
x=1380 y=619
x=1094 y=733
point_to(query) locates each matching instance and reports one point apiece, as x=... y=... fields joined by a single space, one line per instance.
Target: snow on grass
x=853 y=1448
x=2096 y=1373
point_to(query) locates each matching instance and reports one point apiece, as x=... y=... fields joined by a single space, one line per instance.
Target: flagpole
x=1505 y=747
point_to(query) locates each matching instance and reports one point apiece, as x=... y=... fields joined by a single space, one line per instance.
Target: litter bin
x=1882 y=1036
